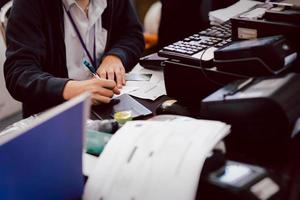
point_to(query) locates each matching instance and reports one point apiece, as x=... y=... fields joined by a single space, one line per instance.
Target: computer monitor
x=44 y=161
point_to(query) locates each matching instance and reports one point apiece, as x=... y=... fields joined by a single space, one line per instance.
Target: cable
x=203 y=71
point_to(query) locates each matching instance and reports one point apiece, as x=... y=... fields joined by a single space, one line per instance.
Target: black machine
x=261 y=101
x=234 y=60
x=221 y=178
x=237 y=181
x=256 y=57
x=152 y=61
x=280 y=18
x=277 y=20
x=189 y=84
x=262 y=112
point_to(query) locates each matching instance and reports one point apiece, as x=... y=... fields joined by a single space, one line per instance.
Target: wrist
x=111 y=58
x=70 y=90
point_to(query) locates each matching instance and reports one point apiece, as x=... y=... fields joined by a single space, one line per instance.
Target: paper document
x=149 y=89
x=159 y=160
x=88 y=163
x=222 y=15
x=126 y=90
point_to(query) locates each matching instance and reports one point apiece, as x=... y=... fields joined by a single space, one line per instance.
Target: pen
x=91 y=69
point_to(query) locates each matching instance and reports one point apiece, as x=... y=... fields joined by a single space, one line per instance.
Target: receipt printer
x=226 y=179
x=262 y=112
x=237 y=181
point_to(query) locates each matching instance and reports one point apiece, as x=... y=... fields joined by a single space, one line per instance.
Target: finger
x=123 y=75
x=119 y=79
x=95 y=102
x=116 y=90
x=123 y=78
x=109 y=84
x=111 y=75
x=103 y=91
x=102 y=74
x=100 y=98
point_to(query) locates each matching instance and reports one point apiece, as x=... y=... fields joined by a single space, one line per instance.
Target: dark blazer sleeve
x=26 y=79
x=127 y=41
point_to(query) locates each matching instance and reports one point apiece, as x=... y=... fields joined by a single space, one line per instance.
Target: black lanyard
x=93 y=60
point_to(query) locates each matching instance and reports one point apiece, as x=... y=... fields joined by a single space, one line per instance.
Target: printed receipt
x=148 y=160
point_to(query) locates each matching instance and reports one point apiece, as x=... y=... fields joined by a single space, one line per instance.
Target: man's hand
x=112 y=68
x=102 y=90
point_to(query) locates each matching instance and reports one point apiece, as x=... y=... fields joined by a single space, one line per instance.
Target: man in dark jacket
x=50 y=40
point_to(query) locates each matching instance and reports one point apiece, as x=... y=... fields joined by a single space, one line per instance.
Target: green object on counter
x=95 y=141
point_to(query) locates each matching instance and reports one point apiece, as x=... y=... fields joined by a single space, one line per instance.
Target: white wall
x=8 y=105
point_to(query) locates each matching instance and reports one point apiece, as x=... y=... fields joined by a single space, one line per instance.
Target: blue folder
x=45 y=161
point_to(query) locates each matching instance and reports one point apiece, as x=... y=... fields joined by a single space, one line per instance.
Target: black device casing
x=209 y=189
x=268 y=26
x=152 y=61
x=261 y=124
x=266 y=56
x=264 y=27
x=190 y=84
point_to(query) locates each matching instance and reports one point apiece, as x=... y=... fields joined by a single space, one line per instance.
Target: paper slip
x=151 y=89
x=148 y=160
x=126 y=90
x=222 y=15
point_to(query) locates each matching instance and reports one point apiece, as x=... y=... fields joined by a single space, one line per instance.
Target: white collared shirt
x=90 y=28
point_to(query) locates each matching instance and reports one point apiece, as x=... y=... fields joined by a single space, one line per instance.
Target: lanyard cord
x=93 y=60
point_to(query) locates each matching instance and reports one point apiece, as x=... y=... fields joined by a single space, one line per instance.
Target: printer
x=262 y=112
x=222 y=178
x=147 y=160
x=268 y=19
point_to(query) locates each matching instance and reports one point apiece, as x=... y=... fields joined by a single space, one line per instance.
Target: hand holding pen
x=102 y=90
